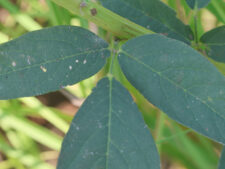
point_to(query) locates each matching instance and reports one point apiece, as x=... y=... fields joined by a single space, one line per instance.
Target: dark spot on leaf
x=94 y=11
x=117 y=39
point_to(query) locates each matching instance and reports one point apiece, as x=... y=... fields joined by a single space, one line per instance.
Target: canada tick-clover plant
x=152 y=49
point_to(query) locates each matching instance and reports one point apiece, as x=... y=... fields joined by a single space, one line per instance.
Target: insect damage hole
x=94 y=11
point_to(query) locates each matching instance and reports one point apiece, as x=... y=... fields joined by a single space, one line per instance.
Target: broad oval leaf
x=199 y=3
x=108 y=132
x=46 y=60
x=222 y=160
x=215 y=41
x=215 y=46
x=152 y=14
x=179 y=81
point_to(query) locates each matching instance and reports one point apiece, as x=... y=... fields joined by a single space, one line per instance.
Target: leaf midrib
x=52 y=61
x=161 y=75
x=109 y=124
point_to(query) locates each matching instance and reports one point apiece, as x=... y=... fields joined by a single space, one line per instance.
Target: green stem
x=196 y=23
x=104 y=18
x=159 y=128
x=113 y=53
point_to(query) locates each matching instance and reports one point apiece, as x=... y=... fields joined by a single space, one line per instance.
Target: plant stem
x=113 y=53
x=196 y=23
x=104 y=18
x=159 y=128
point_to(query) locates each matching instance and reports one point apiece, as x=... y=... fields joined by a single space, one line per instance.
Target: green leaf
x=148 y=13
x=222 y=160
x=108 y=132
x=46 y=60
x=199 y=3
x=215 y=42
x=178 y=80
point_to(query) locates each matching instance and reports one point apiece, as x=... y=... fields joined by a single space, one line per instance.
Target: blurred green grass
x=31 y=132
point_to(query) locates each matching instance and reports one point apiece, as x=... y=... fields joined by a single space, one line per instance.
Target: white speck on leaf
x=77 y=128
x=43 y=69
x=85 y=61
x=70 y=67
x=13 y=63
x=99 y=125
x=28 y=60
x=77 y=61
x=210 y=99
